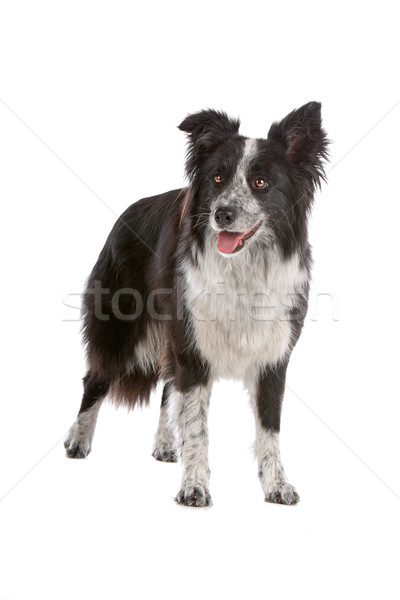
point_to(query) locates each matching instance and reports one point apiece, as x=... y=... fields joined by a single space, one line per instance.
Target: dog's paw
x=165 y=453
x=77 y=446
x=194 y=495
x=281 y=492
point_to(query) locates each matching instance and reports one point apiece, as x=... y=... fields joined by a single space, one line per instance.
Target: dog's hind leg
x=164 y=448
x=78 y=443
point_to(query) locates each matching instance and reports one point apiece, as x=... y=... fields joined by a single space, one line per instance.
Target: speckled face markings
x=238 y=196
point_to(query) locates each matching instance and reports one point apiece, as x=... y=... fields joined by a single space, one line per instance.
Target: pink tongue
x=228 y=242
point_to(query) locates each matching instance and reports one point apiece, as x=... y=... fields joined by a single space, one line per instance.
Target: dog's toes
x=194 y=496
x=165 y=453
x=282 y=493
x=77 y=448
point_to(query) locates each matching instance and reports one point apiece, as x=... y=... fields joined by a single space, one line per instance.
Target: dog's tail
x=143 y=370
x=127 y=358
x=133 y=387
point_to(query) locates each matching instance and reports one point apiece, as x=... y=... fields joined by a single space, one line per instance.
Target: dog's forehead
x=244 y=160
x=240 y=155
x=236 y=154
x=257 y=155
x=250 y=151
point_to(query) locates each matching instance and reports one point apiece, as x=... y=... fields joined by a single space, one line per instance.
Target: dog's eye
x=218 y=178
x=261 y=183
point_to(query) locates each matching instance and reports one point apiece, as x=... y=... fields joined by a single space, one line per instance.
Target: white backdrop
x=90 y=96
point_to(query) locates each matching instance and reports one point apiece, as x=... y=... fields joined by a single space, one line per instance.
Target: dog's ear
x=304 y=139
x=209 y=123
x=205 y=129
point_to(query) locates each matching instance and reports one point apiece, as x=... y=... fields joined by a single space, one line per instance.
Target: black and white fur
x=207 y=282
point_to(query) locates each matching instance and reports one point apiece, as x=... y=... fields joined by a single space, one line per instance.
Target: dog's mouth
x=229 y=241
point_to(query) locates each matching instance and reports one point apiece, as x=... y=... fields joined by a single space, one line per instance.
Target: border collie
x=205 y=282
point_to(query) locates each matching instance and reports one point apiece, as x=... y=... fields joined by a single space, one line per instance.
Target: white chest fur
x=240 y=308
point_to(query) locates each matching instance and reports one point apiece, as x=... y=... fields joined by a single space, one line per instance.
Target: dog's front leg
x=188 y=413
x=267 y=403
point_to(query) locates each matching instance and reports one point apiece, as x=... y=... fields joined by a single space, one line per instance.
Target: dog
x=205 y=282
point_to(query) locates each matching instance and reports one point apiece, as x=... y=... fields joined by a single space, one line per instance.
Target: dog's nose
x=224 y=216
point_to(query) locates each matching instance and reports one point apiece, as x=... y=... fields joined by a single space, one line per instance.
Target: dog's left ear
x=304 y=139
x=205 y=129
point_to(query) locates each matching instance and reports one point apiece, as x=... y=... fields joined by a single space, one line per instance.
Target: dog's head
x=244 y=191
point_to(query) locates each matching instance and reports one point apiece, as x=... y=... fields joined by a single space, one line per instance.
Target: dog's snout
x=224 y=216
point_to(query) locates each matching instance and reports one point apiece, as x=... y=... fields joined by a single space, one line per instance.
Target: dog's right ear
x=205 y=129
